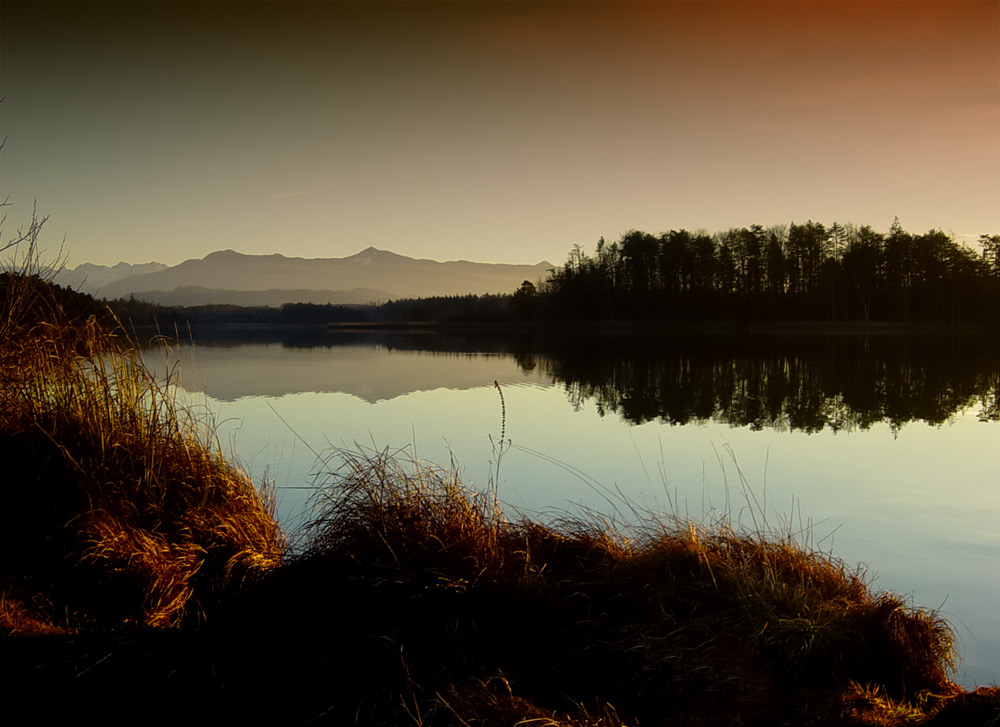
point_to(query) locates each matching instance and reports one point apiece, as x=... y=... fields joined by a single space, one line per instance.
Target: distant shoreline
x=589 y=328
x=573 y=327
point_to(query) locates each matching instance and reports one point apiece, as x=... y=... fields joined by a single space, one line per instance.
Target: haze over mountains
x=370 y=276
x=90 y=278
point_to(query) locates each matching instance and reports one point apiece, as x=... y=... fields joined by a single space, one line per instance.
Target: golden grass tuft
x=463 y=615
x=20 y=617
x=121 y=508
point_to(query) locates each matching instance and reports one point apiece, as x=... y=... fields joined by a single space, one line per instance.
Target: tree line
x=795 y=272
x=798 y=271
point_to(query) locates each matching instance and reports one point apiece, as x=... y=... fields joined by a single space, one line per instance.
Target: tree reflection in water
x=807 y=382
x=786 y=383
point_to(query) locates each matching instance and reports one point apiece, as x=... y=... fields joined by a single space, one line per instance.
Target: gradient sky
x=496 y=132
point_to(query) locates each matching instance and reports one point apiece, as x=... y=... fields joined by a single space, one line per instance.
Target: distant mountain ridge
x=227 y=276
x=90 y=278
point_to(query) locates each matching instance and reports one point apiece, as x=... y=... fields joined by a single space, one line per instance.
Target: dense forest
x=795 y=272
x=807 y=272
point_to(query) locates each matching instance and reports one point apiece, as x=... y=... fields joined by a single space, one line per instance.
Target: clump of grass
x=120 y=507
x=430 y=593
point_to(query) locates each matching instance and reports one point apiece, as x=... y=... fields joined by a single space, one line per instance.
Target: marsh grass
x=461 y=615
x=120 y=508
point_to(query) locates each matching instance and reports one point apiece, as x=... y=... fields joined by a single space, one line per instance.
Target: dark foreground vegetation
x=142 y=576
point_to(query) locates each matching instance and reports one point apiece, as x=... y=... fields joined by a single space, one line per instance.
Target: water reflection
x=787 y=383
x=835 y=383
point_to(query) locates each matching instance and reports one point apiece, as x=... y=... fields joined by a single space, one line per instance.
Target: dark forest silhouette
x=795 y=272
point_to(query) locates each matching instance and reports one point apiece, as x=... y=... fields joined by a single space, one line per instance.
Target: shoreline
x=586 y=328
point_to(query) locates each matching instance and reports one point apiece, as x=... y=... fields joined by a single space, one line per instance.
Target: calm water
x=881 y=451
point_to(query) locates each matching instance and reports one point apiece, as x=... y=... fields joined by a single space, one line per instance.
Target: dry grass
x=120 y=506
x=449 y=612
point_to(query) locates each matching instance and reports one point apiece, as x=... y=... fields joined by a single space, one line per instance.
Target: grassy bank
x=139 y=570
x=121 y=510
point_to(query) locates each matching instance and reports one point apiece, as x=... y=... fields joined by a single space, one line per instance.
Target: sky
x=495 y=132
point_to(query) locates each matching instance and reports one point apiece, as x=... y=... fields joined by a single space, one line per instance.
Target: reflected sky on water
x=917 y=502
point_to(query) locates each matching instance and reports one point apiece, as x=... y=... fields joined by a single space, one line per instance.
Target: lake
x=880 y=450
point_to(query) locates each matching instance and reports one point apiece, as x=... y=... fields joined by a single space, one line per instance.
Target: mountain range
x=90 y=278
x=226 y=276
